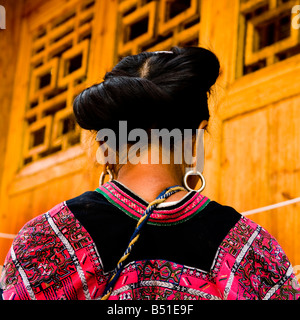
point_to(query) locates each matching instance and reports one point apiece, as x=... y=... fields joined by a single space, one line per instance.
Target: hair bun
x=204 y=63
x=151 y=89
x=190 y=66
x=136 y=100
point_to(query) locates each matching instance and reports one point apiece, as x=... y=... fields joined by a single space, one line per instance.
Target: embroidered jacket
x=190 y=249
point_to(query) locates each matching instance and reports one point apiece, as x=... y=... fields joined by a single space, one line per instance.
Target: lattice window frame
x=162 y=32
x=250 y=56
x=60 y=54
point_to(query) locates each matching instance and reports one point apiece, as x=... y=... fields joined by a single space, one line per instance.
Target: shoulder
x=53 y=228
x=49 y=249
x=250 y=236
x=257 y=265
x=25 y=255
x=221 y=215
x=88 y=203
x=216 y=221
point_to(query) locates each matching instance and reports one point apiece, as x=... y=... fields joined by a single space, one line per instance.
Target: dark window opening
x=273 y=31
x=44 y=80
x=27 y=160
x=74 y=63
x=33 y=104
x=176 y=7
x=68 y=125
x=138 y=28
x=254 y=67
x=38 y=137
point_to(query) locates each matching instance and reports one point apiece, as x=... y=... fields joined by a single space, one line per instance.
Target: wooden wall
x=9 y=45
x=9 y=39
x=252 y=150
x=28 y=190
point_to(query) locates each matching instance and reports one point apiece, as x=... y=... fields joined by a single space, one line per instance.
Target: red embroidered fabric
x=54 y=257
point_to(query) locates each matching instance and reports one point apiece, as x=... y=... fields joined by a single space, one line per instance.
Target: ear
x=203 y=124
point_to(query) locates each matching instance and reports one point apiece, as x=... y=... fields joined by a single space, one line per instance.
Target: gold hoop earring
x=103 y=174
x=189 y=173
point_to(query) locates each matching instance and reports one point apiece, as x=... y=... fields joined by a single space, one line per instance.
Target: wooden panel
x=284 y=146
x=260 y=166
x=221 y=40
x=284 y=172
x=244 y=161
x=8 y=48
x=265 y=86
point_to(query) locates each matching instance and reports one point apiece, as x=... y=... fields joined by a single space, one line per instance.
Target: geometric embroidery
x=159 y=270
x=237 y=238
x=54 y=257
x=135 y=209
x=263 y=269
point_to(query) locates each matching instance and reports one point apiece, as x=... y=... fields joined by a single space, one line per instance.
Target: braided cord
x=135 y=236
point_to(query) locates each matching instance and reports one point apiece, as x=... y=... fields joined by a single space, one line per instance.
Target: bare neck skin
x=149 y=180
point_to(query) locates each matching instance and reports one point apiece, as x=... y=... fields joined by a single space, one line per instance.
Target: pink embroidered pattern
x=54 y=257
x=135 y=209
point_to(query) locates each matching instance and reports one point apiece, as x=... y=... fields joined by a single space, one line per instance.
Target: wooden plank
x=218 y=30
x=260 y=166
x=103 y=46
x=263 y=87
x=18 y=211
x=40 y=177
x=221 y=40
x=9 y=46
x=284 y=145
x=15 y=135
x=212 y=147
x=244 y=179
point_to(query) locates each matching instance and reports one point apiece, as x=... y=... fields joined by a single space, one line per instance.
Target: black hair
x=151 y=90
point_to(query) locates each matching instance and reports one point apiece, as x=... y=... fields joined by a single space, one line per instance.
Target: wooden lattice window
x=59 y=63
x=146 y=25
x=266 y=34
